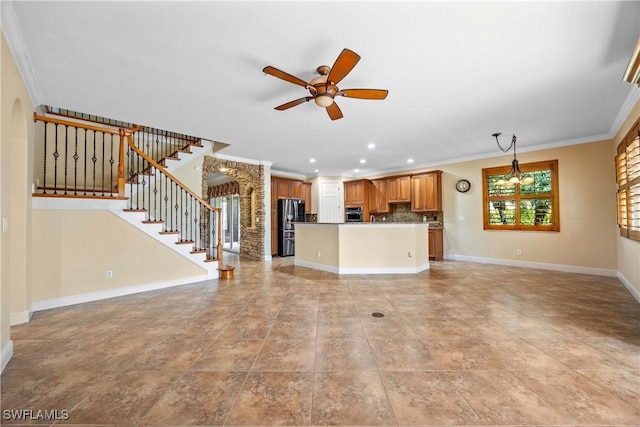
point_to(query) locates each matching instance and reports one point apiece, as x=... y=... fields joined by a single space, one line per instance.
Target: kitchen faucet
x=373 y=218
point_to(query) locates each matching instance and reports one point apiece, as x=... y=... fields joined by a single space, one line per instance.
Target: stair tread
x=185 y=242
x=169 y=232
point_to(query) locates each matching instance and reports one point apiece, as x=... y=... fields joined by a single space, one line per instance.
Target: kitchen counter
x=432 y=224
x=363 y=247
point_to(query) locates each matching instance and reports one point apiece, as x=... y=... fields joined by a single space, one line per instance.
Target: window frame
x=554 y=195
x=626 y=185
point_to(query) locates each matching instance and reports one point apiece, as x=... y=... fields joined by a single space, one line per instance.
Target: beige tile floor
x=461 y=344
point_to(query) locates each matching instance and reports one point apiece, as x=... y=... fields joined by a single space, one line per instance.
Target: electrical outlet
x=519 y=252
x=5 y=225
x=409 y=255
x=109 y=274
x=318 y=254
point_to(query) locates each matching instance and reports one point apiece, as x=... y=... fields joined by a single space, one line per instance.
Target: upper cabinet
x=306 y=196
x=288 y=188
x=356 y=193
x=426 y=192
x=378 y=198
x=399 y=189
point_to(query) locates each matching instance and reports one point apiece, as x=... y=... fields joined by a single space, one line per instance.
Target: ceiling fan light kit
x=323 y=88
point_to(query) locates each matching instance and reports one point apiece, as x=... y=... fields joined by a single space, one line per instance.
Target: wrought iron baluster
x=103 y=181
x=176 y=206
x=194 y=226
x=94 y=159
x=44 y=178
x=166 y=202
x=75 y=163
x=111 y=162
x=66 y=151
x=55 y=163
x=85 y=162
x=144 y=184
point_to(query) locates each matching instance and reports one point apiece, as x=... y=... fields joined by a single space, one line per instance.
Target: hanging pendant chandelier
x=515 y=175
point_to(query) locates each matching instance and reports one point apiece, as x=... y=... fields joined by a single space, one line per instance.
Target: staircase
x=93 y=157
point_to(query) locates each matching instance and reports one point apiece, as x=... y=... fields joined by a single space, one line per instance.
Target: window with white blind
x=533 y=207
x=628 y=179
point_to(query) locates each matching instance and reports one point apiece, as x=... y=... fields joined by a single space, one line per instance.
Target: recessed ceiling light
x=316 y=170
x=312 y=160
x=356 y=170
x=409 y=160
x=363 y=161
x=371 y=145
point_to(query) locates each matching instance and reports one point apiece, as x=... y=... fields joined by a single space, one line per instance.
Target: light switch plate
x=5 y=225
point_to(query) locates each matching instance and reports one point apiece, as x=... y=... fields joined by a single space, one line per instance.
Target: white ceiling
x=550 y=72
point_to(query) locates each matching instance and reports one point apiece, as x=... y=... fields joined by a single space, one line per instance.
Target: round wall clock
x=463 y=185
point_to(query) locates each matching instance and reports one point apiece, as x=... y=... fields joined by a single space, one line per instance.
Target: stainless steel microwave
x=353 y=214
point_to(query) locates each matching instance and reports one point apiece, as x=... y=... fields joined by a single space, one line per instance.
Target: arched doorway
x=248 y=180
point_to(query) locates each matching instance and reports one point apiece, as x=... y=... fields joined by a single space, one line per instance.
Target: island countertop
x=363 y=248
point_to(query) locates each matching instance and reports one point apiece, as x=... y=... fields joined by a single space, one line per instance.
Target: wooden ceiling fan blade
x=364 y=93
x=284 y=76
x=334 y=111
x=293 y=103
x=343 y=65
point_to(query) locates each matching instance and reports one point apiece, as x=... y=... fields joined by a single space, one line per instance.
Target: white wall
x=73 y=250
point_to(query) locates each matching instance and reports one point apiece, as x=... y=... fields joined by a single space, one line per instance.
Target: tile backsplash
x=401 y=212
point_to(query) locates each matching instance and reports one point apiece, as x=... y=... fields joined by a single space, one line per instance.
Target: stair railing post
x=121 y=180
x=219 y=251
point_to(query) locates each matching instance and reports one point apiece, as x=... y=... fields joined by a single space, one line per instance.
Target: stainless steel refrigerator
x=290 y=211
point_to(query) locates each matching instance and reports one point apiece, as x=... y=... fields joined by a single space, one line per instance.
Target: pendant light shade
x=515 y=176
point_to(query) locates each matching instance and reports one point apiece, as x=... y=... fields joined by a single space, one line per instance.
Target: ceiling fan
x=324 y=89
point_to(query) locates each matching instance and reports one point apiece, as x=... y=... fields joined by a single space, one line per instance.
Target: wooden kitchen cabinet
x=289 y=189
x=378 y=198
x=306 y=196
x=426 y=192
x=356 y=193
x=435 y=244
x=399 y=189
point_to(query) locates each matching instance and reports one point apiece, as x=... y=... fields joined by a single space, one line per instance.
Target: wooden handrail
x=153 y=163
x=37 y=117
x=162 y=169
x=121 y=180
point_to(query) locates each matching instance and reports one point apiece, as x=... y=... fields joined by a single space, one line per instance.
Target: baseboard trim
x=530 y=264
x=111 y=293
x=315 y=266
x=6 y=355
x=627 y=284
x=20 y=317
x=374 y=270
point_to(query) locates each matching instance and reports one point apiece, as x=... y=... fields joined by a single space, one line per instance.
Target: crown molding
x=18 y=48
x=625 y=110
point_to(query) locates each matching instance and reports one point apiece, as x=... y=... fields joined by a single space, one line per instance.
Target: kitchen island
x=363 y=248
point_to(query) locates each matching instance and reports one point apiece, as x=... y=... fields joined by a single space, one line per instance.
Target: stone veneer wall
x=251 y=180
